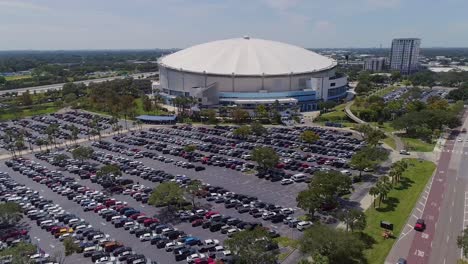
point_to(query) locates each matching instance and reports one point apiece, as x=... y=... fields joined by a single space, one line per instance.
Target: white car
x=232 y=231
x=301 y=226
x=145 y=237
x=286 y=181
x=170 y=246
x=193 y=257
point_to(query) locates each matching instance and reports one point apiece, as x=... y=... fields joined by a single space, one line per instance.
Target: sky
x=149 y=24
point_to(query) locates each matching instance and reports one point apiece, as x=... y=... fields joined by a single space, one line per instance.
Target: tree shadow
x=168 y=216
x=404 y=184
x=368 y=240
x=389 y=205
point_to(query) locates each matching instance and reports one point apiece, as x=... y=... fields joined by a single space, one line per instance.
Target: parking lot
x=234 y=195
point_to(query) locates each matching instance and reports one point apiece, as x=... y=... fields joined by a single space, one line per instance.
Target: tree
x=70 y=246
x=265 y=157
x=337 y=245
x=190 y=148
x=261 y=112
x=75 y=131
x=127 y=107
x=52 y=131
x=167 y=194
x=242 y=131
x=109 y=172
x=383 y=188
x=209 y=115
x=239 y=115
x=147 y=104
x=371 y=135
x=323 y=191
x=374 y=191
x=462 y=242
x=258 y=129
x=192 y=189
x=253 y=247
x=60 y=158
x=354 y=219
x=2 y=80
x=368 y=157
x=82 y=153
x=309 y=137
x=10 y=213
x=26 y=98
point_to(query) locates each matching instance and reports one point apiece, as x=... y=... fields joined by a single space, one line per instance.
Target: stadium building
x=247 y=72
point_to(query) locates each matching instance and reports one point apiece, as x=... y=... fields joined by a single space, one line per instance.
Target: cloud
x=281 y=5
x=383 y=3
x=13 y=4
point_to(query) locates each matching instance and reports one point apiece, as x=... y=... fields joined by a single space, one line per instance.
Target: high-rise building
x=374 y=64
x=404 y=55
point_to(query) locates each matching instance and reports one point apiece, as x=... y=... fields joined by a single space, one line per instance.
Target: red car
x=197 y=222
x=110 y=202
x=150 y=221
x=420 y=225
x=99 y=208
x=134 y=216
x=209 y=214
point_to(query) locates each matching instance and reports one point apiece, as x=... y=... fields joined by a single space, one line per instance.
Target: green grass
x=141 y=111
x=397 y=208
x=415 y=144
x=385 y=91
x=14 y=78
x=390 y=142
x=30 y=111
x=287 y=242
x=386 y=126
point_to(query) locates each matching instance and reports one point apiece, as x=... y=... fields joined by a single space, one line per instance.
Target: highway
x=59 y=86
x=443 y=207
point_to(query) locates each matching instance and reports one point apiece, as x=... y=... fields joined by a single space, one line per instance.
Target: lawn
x=19 y=77
x=390 y=142
x=337 y=115
x=415 y=144
x=386 y=126
x=396 y=208
x=30 y=111
x=141 y=111
x=385 y=91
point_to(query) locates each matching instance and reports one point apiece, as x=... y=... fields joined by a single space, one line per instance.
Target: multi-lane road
x=444 y=207
x=59 y=86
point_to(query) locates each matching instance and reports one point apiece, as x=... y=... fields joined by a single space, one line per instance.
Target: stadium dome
x=247 y=57
x=247 y=72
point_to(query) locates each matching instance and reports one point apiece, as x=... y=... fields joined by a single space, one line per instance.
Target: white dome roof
x=247 y=56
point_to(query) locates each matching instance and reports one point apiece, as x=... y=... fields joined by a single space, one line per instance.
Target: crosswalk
x=460 y=152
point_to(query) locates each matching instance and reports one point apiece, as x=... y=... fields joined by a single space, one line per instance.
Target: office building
x=404 y=55
x=374 y=64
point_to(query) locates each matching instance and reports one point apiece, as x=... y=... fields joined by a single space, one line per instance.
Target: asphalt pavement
x=443 y=206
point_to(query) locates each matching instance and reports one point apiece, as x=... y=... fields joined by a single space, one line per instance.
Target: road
x=443 y=206
x=59 y=86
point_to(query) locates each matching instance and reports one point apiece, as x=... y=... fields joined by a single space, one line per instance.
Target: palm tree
x=374 y=191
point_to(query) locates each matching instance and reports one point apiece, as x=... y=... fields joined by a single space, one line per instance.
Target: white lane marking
x=52 y=246
x=42 y=190
x=419 y=210
x=102 y=223
x=448 y=237
x=450 y=219
x=142 y=205
x=421 y=203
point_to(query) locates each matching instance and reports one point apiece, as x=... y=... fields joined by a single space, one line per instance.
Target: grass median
x=396 y=208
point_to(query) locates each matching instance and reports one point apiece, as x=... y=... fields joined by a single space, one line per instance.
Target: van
x=303 y=225
x=300 y=177
x=346 y=172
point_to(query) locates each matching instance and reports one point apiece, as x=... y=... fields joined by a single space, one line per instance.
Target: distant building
x=404 y=55
x=374 y=64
